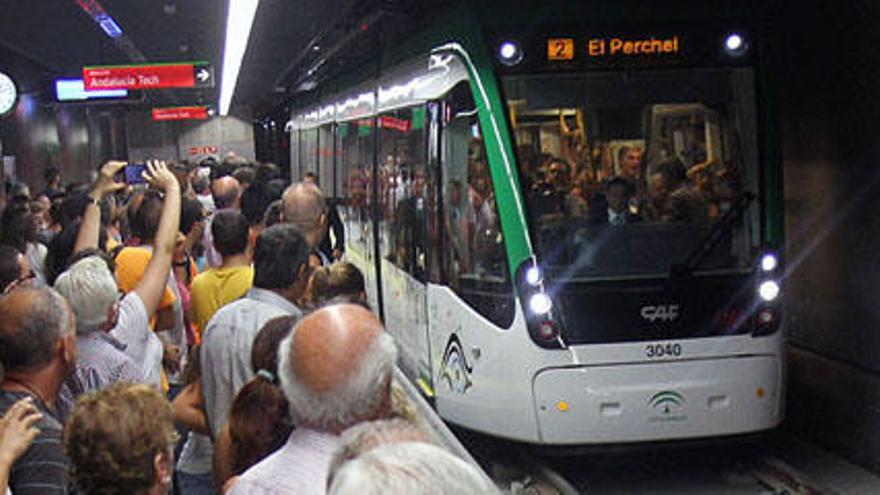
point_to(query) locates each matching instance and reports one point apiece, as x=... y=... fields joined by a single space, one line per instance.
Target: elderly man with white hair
x=114 y=336
x=335 y=369
x=410 y=468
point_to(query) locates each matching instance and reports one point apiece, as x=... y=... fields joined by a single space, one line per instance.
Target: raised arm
x=90 y=228
x=152 y=284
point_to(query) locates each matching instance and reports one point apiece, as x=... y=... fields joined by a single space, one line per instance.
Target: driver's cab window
x=658 y=163
x=475 y=259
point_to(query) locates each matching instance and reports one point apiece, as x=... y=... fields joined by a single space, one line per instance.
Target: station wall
x=188 y=140
x=828 y=72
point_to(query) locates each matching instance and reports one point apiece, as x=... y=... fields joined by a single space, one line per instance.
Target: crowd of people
x=631 y=191
x=199 y=334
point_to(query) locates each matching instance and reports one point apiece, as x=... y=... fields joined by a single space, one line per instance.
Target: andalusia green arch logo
x=669 y=403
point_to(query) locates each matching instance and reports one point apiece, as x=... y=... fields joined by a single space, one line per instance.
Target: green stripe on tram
x=496 y=138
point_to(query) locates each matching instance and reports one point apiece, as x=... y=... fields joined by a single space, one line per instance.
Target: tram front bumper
x=654 y=401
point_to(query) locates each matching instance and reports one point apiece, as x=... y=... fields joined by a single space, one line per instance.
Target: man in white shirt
x=128 y=320
x=335 y=369
x=281 y=274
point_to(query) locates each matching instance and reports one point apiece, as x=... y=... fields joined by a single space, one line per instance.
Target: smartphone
x=134 y=173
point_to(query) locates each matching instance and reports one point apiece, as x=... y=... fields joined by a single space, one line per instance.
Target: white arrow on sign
x=203 y=75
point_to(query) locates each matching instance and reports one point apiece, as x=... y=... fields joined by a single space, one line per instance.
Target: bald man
x=226 y=191
x=38 y=352
x=335 y=369
x=303 y=205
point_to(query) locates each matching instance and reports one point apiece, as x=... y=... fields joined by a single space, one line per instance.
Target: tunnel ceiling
x=60 y=37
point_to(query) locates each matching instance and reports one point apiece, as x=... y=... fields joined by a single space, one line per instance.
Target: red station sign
x=158 y=76
x=180 y=113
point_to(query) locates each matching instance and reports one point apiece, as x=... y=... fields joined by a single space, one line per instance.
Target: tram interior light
x=768 y=290
x=735 y=45
x=769 y=262
x=540 y=303
x=239 y=20
x=510 y=53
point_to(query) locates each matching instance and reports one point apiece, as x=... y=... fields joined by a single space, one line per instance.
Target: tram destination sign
x=180 y=113
x=570 y=48
x=149 y=76
x=611 y=49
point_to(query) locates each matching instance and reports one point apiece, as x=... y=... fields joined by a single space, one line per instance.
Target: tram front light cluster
x=538 y=305
x=768 y=314
x=510 y=52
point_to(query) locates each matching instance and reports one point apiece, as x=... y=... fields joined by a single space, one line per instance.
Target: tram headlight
x=735 y=45
x=768 y=290
x=540 y=303
x=510 y=52
x=533 y=276
x=769 y=262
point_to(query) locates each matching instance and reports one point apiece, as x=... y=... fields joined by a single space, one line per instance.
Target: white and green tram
x=472 y=173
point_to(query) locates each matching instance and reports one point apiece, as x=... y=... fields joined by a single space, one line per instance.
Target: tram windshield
x=631 y=173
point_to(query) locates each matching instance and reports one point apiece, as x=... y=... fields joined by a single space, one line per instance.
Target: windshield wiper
x=680 y=271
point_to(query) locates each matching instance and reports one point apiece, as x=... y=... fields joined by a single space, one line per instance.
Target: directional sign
x=147 y=76
x=180 y=113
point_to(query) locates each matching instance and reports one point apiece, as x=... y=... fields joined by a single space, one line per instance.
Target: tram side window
x=325 y=160
x=406 y=196
x=309 y=156
x=355 y=155
x=475 y=263
x=294 y=153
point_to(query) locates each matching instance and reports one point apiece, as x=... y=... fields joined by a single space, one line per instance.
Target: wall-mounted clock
x=8 y=94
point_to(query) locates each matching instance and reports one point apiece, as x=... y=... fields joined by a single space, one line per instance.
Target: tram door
x=407 y=228
x=354 y=171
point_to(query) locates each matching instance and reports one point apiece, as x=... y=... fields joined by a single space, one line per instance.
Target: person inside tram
x=411 y=227
x=121 y=440
x=613 y=207
x=673 y=197
x=336 y=370
x=630 y=162
x=458 y=227
x=554 y=198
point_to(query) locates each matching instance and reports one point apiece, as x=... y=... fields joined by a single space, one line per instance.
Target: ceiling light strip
x=239 y=20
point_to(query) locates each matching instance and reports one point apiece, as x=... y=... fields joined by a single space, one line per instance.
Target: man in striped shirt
x=38 y=352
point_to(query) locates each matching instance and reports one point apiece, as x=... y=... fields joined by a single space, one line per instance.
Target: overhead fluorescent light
x=101 y=17
x=239 y=20
x=109 y=26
